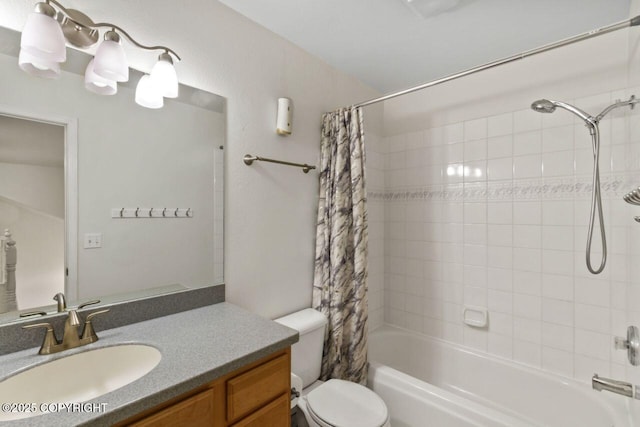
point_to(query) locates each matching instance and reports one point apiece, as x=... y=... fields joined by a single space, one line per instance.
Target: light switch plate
x=92 y=240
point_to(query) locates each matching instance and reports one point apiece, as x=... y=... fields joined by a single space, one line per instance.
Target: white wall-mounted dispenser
x=285 y=116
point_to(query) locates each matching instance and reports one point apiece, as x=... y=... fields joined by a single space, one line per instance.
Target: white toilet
x=335 y=403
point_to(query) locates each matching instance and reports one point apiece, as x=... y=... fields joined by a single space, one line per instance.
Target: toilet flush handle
x=294 y=393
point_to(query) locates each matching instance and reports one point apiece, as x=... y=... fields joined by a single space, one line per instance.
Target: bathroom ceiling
x=391 y=46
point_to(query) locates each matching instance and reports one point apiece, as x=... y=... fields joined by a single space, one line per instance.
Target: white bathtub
x=429 y=382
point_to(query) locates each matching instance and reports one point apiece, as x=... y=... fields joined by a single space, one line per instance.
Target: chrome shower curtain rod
x=584 y=36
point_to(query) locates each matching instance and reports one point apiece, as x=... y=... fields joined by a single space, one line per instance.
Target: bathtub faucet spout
x=614 y=386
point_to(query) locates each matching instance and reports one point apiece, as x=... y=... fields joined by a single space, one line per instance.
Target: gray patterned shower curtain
x=340 y=279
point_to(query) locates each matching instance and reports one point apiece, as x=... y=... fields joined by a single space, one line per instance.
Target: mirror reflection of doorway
x=32 y=206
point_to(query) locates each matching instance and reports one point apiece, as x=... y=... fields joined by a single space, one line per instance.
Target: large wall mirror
x=76 y=166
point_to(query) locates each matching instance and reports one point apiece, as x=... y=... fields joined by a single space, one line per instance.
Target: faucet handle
x=33 y=313
x=84 y=304
x=631 y=344
x=89 y=333
x=50 y=339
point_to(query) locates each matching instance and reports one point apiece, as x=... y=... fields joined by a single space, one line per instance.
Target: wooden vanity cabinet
x=256 y=395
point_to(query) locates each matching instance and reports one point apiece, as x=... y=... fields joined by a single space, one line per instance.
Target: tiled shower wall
x=486 y=204
x=493 y=213
x=375 y=172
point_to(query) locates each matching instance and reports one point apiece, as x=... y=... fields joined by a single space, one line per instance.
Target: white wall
x=40 y=244
x=512 y=238
x=39 y=187
x=270 y=210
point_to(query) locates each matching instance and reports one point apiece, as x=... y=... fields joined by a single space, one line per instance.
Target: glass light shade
x=110 y=62
x=97 y=84
x=165 y=77
x=148 y=94
x=37 y=67
x=42 y=38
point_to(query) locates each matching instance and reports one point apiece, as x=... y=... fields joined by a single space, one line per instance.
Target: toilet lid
x=346 y=404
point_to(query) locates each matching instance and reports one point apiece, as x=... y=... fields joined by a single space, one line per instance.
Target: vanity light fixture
x=148 y=94
x=43 y=49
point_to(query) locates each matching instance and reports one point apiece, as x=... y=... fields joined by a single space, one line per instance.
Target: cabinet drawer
x=253 y=389
x=195 y=411
x=275 y=414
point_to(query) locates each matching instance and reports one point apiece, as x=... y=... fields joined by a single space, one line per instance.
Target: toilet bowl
x=338 y=403
x=334 y=403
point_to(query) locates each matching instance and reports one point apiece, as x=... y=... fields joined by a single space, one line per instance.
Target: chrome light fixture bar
x=43 y=49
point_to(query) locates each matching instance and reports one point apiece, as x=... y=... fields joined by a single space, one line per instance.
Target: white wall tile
x=557 y=286
x=529 y=330
x=475 y=255
x=475 y=129
x=500 y=257
x=527 y=259
x=592 y=318
x=475 y=276
x=527 y=213
x=527 y=143
x=559 y=163
x=592 y=291
x=557 y=262
x=592 y=344
x=557 y=212
x=500 y=125
x=557 y=336
x=557 y=311
x=584 y=367
x=499 y=279
x=475 y=150
x=557 y=139
x=500 y=213
x=527 y=306
x=529 y=166
x=527 y=282
x=416 y=140
x=500 y=301
x=527 y=352
x=475 y=213
x=527 y=236
x=500 y=146
x=500 y=345
x=557 y=237
x=558 y=361
x=475 y=234
x=500 y=235
x=526 y=120
x=474 y=338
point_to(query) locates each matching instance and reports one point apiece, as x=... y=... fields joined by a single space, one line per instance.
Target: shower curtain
x=340 y=279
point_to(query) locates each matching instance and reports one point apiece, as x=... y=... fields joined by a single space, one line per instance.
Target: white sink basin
x=76 y=378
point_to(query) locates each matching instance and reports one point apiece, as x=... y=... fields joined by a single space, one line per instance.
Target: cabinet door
x=195 y=411
x=253 y=389
x=275 y=414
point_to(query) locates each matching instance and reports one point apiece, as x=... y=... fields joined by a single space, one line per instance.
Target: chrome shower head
x=549 y=106
x=543 y=106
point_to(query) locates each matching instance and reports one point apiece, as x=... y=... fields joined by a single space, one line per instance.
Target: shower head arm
x=631 y=102
x=589 y=119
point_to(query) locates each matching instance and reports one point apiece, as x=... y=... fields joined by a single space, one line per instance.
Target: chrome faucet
x=71 y=338
x=614 y=386
x=62 y=303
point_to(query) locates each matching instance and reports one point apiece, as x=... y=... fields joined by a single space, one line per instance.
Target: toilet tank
x=306 y=354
